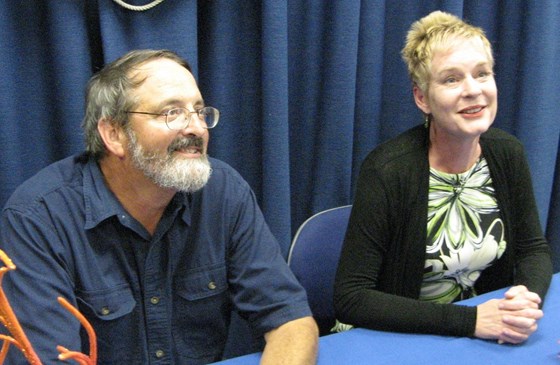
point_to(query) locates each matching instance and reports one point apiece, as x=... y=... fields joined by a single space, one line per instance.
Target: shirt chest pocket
x=202 y=283
x=108 y=304
x=117 y=324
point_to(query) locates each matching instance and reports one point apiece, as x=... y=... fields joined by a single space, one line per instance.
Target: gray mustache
x=183 y=143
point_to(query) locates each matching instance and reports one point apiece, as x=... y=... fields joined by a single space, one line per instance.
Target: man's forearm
x=293 y=343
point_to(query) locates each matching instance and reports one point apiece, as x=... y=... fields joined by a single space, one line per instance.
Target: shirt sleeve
x=33 y=287
x=264 y=290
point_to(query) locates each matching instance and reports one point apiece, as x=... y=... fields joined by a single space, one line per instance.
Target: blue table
x=361 y=346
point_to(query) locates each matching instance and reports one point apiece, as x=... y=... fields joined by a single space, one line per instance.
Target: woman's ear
x=421 y=99
x=113 y=136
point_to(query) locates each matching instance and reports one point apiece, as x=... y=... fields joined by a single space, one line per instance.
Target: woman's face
x=462 y=96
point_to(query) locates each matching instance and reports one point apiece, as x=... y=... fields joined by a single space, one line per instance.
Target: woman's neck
x=453 y=157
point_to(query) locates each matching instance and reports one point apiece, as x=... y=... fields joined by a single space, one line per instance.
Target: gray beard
x=186 y=175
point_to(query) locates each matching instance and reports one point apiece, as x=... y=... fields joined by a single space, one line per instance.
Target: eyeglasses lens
x=180 y=117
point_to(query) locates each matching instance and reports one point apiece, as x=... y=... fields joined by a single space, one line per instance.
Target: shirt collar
x=101 y=203
x=183 y=200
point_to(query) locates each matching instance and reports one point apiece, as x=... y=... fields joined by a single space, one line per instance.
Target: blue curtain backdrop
x=306 y=88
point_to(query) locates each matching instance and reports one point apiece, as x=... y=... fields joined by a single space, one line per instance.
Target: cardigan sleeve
x=533 y=263
x=527 y=259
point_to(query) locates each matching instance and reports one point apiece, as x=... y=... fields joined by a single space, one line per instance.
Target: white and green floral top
x=465 y=233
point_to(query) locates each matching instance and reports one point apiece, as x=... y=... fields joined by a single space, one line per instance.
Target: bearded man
x=153 y=241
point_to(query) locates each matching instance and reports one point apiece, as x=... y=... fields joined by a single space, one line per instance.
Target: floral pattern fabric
x=465 y=233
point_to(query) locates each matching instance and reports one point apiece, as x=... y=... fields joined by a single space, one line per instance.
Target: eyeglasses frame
x=188 y=120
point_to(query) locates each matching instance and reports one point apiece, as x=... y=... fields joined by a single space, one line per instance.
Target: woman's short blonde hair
x=435 y=32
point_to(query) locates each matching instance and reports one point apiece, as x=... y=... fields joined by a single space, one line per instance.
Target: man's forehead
x=166 y=82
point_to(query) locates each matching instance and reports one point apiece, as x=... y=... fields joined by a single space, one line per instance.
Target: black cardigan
x=381 y=266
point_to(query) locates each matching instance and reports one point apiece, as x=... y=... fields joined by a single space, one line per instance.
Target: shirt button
x=160 y=354
x=211 y=285
x=105 y=311
x=154 y=300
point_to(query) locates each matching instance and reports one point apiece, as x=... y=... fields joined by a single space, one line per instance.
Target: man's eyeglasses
x=179 y=118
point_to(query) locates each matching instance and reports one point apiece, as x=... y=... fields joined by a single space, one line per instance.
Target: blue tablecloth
x=361 y=346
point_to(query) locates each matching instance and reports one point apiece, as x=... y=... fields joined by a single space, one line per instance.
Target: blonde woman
x=446 y=211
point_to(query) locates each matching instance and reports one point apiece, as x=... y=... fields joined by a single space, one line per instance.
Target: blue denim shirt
x=161 y=299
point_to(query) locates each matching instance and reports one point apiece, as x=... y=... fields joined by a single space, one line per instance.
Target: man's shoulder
x=220 y=165
x=223 y=172
x=61 y=174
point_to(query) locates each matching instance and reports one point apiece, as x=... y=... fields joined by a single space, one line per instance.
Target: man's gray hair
x=109 y=94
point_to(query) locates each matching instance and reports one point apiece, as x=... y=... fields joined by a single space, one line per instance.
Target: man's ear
x=421 y=99
x=113 y=136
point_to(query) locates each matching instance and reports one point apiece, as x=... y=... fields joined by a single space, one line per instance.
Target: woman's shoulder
x=408 y=147
x=499 y=140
